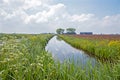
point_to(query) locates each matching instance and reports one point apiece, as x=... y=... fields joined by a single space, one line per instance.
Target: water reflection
x=63 y=51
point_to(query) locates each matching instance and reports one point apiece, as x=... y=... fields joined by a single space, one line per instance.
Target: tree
x=60 y=31
x=71 y=30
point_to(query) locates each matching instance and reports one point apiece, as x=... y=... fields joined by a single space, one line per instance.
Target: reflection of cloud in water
x=62 y=51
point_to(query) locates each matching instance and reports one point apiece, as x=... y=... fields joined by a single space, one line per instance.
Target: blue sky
x=41 y=16
x=98 y=7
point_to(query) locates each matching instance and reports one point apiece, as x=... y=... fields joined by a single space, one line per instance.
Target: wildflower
x=114 y=43
x=33 y=64
x=16 y=71
x=26 y=71
x=40 y=64
x=7 y=59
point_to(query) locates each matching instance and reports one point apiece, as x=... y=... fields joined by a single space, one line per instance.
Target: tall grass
x=104 y=49
x=23 y=57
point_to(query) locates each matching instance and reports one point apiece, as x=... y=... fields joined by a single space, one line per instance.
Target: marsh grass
x=28 y=60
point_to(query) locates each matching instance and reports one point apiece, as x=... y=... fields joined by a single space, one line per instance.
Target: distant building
x=86 y=33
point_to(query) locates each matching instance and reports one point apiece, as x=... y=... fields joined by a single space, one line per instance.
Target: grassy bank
x=23 y=57
x=102 y=48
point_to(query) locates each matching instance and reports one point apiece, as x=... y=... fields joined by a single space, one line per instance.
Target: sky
x=45 y=16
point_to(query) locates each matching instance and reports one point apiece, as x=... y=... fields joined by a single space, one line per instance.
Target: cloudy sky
x=41 y=16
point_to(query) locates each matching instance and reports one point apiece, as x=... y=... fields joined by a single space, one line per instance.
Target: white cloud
x=31 y=3
x=82 y=17
x=6 y=1
x=44 y=16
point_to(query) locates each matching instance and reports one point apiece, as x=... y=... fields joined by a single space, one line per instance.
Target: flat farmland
x=99 y=37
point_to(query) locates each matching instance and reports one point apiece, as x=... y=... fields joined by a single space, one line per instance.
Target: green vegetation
x=60 y=31
x=68 y=31
x=71 y=30
x=103 y=49
x=23 y=57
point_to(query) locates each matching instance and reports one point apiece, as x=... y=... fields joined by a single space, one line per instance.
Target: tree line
x=68 y=31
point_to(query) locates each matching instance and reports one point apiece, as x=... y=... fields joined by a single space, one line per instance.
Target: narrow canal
x=62 y=51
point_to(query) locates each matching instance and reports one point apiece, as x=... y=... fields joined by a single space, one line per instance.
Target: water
x=62 y=51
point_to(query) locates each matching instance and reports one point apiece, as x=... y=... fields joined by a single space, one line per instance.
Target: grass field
x=23 y=57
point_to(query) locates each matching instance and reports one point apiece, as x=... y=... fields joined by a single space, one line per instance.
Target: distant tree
x=71 y=30
x=60 y=31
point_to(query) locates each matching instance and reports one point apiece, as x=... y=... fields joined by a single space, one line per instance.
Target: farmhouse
x=86 y=33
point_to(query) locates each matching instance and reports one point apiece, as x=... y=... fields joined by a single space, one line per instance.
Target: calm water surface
x=62 y=51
